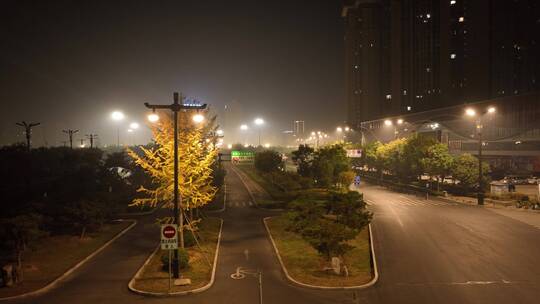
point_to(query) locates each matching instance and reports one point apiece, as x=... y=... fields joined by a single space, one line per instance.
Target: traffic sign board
x=169 y=236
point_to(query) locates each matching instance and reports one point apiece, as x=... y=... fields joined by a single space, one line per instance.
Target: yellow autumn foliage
x=196 y=154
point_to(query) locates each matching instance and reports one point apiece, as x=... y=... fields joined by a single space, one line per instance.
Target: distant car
x=516 y=179
x=532 y=180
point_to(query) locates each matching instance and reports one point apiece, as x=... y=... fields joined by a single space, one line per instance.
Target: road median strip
x=302 y=282
x=141 y=285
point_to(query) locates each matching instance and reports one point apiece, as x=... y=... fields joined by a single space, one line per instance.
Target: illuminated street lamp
x=153 y=117
x=339 y=129
x=117 y=116
x=219 y=132
x=387 y=122
x=133 y=125
x=259 y=122
x=198 y=118
x=176 y=107
x=479 y=126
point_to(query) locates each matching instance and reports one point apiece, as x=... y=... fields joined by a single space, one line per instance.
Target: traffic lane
x=103 y=279
x=462 y=253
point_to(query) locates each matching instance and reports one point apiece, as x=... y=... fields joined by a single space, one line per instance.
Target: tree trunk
x=83 y=232
x=18 y=271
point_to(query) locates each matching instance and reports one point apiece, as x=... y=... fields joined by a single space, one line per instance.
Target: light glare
x=153 y=117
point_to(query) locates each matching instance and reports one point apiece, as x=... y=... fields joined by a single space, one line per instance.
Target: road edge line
x=179 y=293
x=291 y=279
x=68 y=272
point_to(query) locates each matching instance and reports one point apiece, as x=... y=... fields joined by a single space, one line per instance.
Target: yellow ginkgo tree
x=196 y=154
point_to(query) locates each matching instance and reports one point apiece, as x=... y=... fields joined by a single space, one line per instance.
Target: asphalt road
x=435 y=252
x=427 y=251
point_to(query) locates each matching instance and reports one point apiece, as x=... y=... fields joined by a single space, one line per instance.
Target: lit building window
x=428 y=16
x=428 y=70
x=452 y=2
x=452 y=56
x=409 y=108
x=356 y=67
x=405 y=92
x=388 y=96
x=461 y=19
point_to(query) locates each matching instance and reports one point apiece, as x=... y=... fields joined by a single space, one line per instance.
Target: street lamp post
x=117 y=116
x=175 y=107
x=479 y=128
x=28 y=131
x=70 y=133
x=244 y=128
x=91 y=137
x=259 y=122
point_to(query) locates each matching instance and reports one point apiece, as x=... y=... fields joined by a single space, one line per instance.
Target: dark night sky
x=68 y=64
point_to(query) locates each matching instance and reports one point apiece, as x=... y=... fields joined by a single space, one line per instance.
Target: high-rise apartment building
x=407 y=56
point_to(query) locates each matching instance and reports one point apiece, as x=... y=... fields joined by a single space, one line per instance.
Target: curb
x=180 y=293
x=363 y=286
x=58 y=280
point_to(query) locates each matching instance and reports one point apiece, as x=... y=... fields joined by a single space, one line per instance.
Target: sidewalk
x=527 y=216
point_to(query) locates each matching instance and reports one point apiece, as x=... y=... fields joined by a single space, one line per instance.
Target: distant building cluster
x=416 y=55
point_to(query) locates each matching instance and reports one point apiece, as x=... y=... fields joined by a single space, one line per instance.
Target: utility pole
x=91 y=137
x=28 y=131
x=480 y=195
x=176 y=107
x=70 y=133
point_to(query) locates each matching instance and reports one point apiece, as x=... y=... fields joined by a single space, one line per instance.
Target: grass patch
x=305 y=265
x=155 y=279
x=55 y=255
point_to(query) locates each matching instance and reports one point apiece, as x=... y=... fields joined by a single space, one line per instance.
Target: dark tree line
x=59 y=191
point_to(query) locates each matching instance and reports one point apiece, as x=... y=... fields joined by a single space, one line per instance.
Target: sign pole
x=170 y=270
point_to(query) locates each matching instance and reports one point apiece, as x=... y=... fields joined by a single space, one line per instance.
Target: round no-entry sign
x=169 y=232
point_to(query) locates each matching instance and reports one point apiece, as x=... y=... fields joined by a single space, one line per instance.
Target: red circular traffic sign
x=169 y=232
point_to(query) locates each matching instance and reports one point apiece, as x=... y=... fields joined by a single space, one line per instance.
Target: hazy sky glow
x=69 y=64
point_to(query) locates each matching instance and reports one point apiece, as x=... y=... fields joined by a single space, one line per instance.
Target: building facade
x=409 y=56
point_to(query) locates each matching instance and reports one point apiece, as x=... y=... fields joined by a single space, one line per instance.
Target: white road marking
x=396 y=215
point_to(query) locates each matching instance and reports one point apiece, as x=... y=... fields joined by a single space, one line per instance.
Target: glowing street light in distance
x=339 y=129
x=198 y=118
x=117 y=115
x=133 y=125
x=491 y=110
x=470 y=112
x=258 y=121
x=219 y=132
x=267 y=145
x=347 y=129
x=399 y=121
x=388 y=122
x=243 y=127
